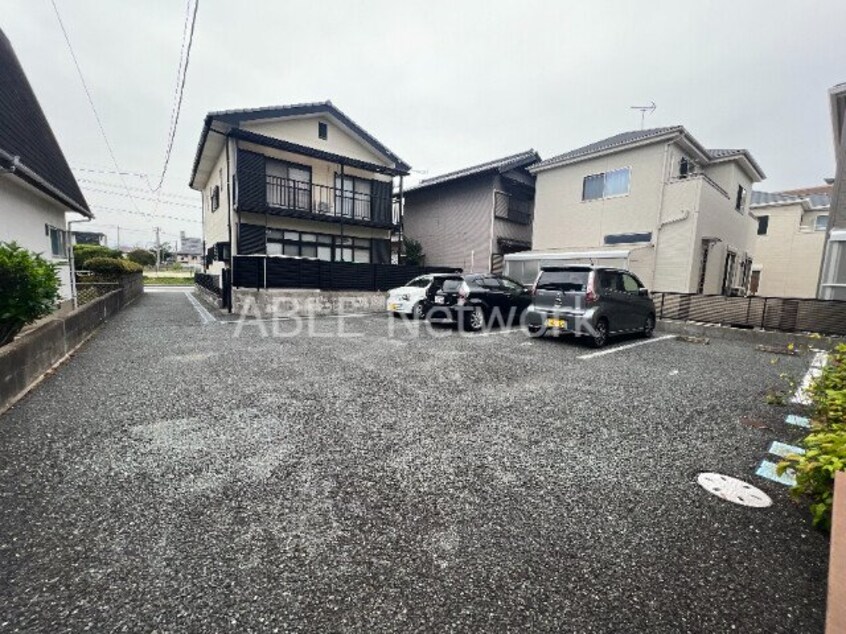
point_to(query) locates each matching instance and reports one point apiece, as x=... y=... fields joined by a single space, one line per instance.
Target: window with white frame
x=606 y=184
x=821 y=222
x=740 y=200
x=58 y=241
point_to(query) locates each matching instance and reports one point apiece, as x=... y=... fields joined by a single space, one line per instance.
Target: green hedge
x=82 y=253
x=112 y=266
x=29 y=289
x=825 y=446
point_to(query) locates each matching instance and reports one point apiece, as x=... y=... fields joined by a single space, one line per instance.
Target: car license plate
x=393 y=306
x=439 y=299
x=556 y=323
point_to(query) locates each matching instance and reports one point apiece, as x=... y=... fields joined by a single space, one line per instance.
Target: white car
x=410 y=299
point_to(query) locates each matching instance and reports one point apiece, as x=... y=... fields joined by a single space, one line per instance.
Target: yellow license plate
x=392 y=307
x=556 y=323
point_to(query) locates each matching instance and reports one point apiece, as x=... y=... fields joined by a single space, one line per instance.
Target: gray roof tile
x=624 y=138
x=502 y=164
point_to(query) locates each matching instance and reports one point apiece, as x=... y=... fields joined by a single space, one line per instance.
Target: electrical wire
x=91 y=100
x=181 y=76
x=134 y=189
x=113 y=193
x=146 y=215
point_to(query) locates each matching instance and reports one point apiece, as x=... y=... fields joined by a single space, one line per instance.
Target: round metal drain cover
x=733 y=490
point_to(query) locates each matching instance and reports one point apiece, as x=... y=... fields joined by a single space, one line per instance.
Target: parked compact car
x=410 y=299
x=474 y=300
x=589 y=300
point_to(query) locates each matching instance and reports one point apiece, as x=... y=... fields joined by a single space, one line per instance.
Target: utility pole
x=118 y=238
x=158 y=249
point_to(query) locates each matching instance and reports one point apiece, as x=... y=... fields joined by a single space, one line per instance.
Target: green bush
x=29 y=289
x=82 y=253
x=825 y=446
x=142 y=257
x=112 y=266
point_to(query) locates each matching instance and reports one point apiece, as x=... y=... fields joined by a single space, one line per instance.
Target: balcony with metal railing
x=358 y=201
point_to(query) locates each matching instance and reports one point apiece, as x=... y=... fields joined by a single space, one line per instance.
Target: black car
x=474 y=300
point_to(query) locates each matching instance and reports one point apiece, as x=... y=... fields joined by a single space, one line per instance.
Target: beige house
x=297 y=181
x=833 y=276
x=654 y=201
x=790 y=241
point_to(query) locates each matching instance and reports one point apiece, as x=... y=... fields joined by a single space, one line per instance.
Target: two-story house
x=833 y=275
x=470 y=218
x=789 y=241
x=37 y=186
x=654 y=201
x=296 y=181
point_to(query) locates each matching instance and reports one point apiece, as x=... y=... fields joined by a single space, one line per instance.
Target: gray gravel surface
x=175 y=477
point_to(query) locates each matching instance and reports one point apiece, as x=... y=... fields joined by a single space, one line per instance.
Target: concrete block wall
x=27 y=358
x=305 y=303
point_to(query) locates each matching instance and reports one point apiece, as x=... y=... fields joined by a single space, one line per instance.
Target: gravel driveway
x=175 y=477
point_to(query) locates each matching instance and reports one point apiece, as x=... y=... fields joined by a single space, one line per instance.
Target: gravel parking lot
x=174 y=476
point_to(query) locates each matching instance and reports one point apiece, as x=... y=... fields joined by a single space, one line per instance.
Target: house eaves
x=224 y=121
x=28 y=148
x=501 y=165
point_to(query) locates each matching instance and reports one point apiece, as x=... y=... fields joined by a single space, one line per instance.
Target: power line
x=90 y=98
x=134 y=189
x=181 y=76
x=113 y=193
x=141 y=213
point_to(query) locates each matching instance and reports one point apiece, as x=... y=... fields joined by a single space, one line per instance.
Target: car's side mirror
x=643 y=292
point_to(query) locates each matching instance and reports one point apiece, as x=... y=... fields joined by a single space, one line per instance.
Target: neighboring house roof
x=643 y=137
x=807 y=191
x=504 y=164
x=233 y=118
x=811 y=201
x=28 y=147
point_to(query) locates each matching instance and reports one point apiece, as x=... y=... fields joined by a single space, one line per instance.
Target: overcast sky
x=444 y=84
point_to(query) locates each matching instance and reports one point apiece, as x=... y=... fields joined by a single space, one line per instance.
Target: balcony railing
x=302 y=196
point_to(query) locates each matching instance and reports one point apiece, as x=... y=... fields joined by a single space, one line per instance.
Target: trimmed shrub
x=82 y=253
x=29 y=289
x=142 y=257
x=825 y=446
x=112 y=266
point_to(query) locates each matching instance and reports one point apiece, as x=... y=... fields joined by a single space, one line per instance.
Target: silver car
x=595 y=301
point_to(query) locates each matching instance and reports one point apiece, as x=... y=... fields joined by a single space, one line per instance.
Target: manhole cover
x=733 y=490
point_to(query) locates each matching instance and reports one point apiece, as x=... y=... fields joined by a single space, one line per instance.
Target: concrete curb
x=756 y=336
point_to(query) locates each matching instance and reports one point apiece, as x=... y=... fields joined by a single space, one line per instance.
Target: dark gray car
x=589 y=300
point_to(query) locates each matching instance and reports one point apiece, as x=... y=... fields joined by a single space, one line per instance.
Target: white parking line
x=509 y=331
x=626 y=347
x=205 y=315
x=802 y=397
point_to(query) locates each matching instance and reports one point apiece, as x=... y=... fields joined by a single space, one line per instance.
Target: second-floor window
x=740 y=200
x=215 y=198
x=763 y=225
x=606 y=184
x=821 y=222
x=288 y=185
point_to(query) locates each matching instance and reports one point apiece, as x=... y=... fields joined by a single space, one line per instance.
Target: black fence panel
x=786 y=314
x=275 y=272
x=208 y=282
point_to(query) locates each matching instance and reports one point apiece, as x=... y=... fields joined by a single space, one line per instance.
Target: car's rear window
x=451 y=285
x=573 y=280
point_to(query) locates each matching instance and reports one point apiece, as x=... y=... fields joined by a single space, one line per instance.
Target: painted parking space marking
x=205 y=315
x=601 y=353
x=802 y=395
x=799 y=421
x=783 y=449
x=768 y=470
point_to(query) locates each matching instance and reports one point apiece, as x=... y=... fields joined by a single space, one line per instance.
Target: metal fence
x=89 y=291
x=822 y=316
x=208 y=282
x=269 y=272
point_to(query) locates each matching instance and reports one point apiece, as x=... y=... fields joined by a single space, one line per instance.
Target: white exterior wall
x=789 y=256
x=24 y=212
x=303 y=131
x=563 y=220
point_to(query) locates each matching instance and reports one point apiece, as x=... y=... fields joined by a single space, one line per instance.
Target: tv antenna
x=643 y=110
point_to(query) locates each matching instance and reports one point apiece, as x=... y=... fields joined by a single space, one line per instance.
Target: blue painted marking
x=768 y=470
x=799 y=421
x=783 y=449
